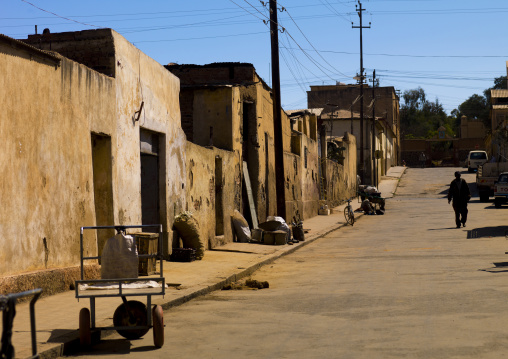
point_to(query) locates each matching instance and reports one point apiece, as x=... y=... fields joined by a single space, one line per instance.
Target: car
x=501 y=191
x=474 y=159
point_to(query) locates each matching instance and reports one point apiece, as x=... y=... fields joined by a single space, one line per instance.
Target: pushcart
x=8 y=307
x=132 y=319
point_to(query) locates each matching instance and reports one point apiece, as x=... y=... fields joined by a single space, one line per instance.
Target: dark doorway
x=150 y=169
x=102 y=187
x=219 y=210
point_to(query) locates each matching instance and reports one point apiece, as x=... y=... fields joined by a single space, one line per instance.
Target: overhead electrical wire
x=62 y=17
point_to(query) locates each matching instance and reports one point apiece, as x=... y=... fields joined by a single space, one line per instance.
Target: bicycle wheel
x=349 y=215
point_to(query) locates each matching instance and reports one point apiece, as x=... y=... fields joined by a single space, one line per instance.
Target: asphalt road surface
x=407 y=284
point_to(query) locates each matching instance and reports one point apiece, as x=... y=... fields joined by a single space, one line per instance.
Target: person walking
x=422 y=159
x=460 y=194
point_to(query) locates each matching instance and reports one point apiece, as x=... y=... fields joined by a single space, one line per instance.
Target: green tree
x=421 y=118
x=475 y=107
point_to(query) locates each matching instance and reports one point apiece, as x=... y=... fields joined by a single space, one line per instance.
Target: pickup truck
x=487 y=175
x=501 y=191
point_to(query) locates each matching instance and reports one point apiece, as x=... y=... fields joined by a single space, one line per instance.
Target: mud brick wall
x=187 y=112
x=92 y=48
x=412 y=158
x=216 y=73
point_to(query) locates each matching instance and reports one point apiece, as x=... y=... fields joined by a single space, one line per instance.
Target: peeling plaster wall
x=141 y=79
x=46 y=147
x=341 y=179
x=202 y=189
x=310 y=178
x=47 y=186
x=216 y=114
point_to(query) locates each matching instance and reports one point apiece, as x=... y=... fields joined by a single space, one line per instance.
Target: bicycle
x=349 y=213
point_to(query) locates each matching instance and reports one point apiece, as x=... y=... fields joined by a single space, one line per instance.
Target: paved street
x=404 y=285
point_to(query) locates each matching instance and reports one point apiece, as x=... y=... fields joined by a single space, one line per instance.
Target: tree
x=421 y=118
x=500 y=83
x=475 y=107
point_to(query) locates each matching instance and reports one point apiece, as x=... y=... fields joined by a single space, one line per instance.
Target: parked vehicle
x=476 y=159
x=486 y=176
x=501 y=191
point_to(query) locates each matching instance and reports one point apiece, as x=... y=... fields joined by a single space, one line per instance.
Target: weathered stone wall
x=53 y=111
x=93 y=48
x=341 y=179
x=216 y=117
x=187 y=112
x=214 y=74
x=47 y=187
x=203 y=187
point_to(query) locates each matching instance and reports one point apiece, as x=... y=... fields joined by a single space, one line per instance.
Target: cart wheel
x=134 y=317
x=158 y=326
x=85 y=333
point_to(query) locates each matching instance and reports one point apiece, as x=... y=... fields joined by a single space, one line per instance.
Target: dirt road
x=404 y=285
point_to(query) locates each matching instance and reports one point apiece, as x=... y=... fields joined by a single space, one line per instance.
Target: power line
x=298 y=27
x=408 y=55
x=62 y=17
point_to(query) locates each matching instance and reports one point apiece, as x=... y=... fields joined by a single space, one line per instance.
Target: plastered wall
x=47 y=186
x=212 y=172
x=53 y=109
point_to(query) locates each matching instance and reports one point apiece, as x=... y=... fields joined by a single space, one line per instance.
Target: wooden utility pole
x=373 y=152
x=360 y=10
x=277 y=117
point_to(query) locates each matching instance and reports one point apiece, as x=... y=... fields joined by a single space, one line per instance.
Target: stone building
x=92 y=135
x=228 y=106
x=499 y=118
x=379 y=150
x=345 y=99
x=93 y=138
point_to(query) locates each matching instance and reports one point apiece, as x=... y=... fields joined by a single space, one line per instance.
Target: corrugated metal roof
x=498 y=93
x=500 y=107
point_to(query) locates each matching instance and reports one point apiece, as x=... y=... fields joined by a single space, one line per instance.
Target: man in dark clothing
x=459 y=192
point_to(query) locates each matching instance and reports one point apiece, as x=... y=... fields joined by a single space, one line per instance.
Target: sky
x=450 y=48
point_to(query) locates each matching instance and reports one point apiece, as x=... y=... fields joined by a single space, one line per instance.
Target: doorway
x=219 y=210
x=102 y=187
x=150 y=178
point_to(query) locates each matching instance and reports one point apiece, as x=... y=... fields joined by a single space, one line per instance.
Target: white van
x=475 y=159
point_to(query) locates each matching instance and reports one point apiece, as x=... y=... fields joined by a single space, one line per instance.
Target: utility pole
x=277 y=117
x=373 y=154
x=360 y=10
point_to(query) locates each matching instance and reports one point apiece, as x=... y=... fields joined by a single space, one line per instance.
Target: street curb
x=73 y=345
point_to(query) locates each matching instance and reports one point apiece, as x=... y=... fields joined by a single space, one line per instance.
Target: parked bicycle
x=349 y=213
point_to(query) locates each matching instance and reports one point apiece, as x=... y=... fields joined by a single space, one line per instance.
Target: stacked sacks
x=188 y=229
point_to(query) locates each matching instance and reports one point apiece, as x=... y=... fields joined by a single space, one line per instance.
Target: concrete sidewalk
x=57 y=316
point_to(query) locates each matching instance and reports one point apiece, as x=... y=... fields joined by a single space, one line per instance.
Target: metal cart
x=8 y=307
x=132 y=319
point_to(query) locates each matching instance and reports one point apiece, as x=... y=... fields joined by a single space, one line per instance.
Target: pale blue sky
x=451 y=48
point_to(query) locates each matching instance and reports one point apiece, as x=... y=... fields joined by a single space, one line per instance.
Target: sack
x=188 y=228
x=119 y=258
x=241 y=227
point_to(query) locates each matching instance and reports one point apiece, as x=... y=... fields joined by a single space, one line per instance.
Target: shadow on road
x=442 y=229
x=107 y=347
x=472 y=189
x=487 y=232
